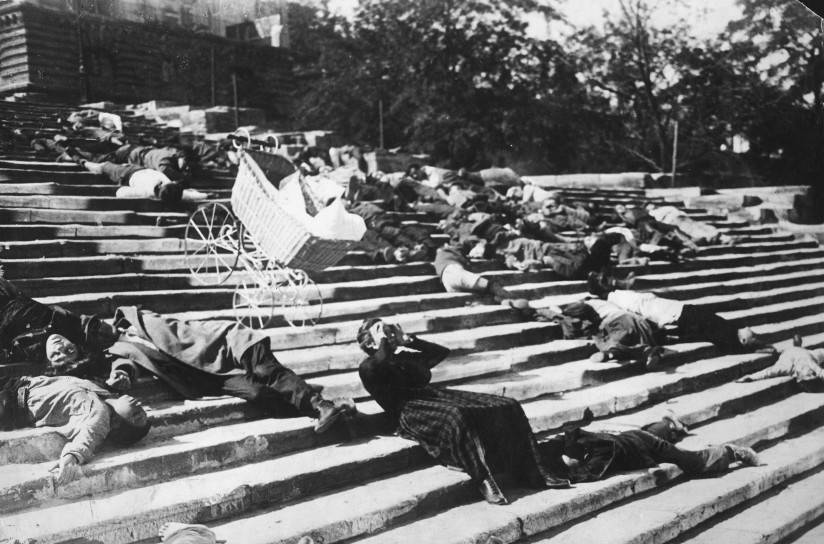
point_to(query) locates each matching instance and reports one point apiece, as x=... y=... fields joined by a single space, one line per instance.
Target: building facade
x=136 y=50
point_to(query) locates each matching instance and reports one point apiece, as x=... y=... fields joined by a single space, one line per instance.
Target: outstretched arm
x=87 y=433
x=770 y=372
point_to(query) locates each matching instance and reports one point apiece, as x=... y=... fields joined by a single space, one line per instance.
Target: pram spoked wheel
x=211 y=243
x=302 y=302
x=254 y=302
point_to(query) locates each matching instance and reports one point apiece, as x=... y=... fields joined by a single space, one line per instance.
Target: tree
x=457 y=78
x=783 y=42
x=634 y=64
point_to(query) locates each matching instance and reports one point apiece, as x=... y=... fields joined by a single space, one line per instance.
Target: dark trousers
x=19 y=314
x=708 y=460
x=268 y=384
x=698 y=323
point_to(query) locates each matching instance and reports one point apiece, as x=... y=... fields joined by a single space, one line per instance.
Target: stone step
x=750 y=299
x=576 y=374
x=541 y=515
x=671 y=512
x=680 y=288
x=92 y=203
x=176 y=418
x=48 y=188
x=813 y=535
x=335 y=466
x=110 y=276
x=769 y=521
x=343 y=332
x=51 y=249
x=101 y=190
x=103 y=302
x=107 y=264
x=78 y=176
x=658 y=280
x=37 y=215
x=756 y=248
x=39 y=232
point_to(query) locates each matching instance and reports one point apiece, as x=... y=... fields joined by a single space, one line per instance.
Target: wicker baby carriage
x=274 y=249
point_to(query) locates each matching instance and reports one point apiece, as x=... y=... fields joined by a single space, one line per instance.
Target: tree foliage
x=456 y=77
x=465 y=81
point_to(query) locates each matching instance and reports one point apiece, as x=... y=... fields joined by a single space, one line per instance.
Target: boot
x=491 y=492
x=797 y=341
x=653 y=358
x=554 y=482
x=326 y=411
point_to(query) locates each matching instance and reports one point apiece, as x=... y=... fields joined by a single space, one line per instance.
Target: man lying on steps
x=591 y=456
x=695 y=322
x=802 y=364
x=195 y=358
x=84 y=413
x=203 y=358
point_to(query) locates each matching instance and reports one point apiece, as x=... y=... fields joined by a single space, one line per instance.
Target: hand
x=377 y=333
x=69 y=469
x=119 y=379
x=401 y=337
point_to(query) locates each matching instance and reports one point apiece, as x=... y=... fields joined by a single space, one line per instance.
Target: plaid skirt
x=481 y=434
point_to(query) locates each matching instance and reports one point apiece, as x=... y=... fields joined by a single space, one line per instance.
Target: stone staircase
x=66 y=240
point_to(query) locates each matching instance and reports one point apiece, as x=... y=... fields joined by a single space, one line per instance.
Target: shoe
x=797 y=341
x=653 y=358
x=598 y=357
x=491 y=492
x=553 y=482
x=516 y=303
x=345 y=405
x=745 y=456
x=327 y=413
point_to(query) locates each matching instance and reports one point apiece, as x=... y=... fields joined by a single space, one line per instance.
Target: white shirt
x=75 y=407
x=605 y=309
x=666 y=214
x=662 y=311
x=142 y=184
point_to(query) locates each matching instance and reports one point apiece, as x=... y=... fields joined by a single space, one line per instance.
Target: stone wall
x=130 y=62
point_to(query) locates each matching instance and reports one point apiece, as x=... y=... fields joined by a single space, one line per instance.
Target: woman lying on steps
x=478 y=433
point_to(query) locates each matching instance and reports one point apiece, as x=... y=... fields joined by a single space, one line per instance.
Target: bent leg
x=705 y=461
x=269 y=384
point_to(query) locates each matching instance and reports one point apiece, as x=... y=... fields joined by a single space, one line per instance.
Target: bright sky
x=708 y=16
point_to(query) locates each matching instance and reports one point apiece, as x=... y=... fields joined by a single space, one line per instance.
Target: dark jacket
x=189 y=354
x=394 y=377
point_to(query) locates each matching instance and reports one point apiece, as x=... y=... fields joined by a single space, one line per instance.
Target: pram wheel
x=211 y=243
x=302 y=302
x=254 y=302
